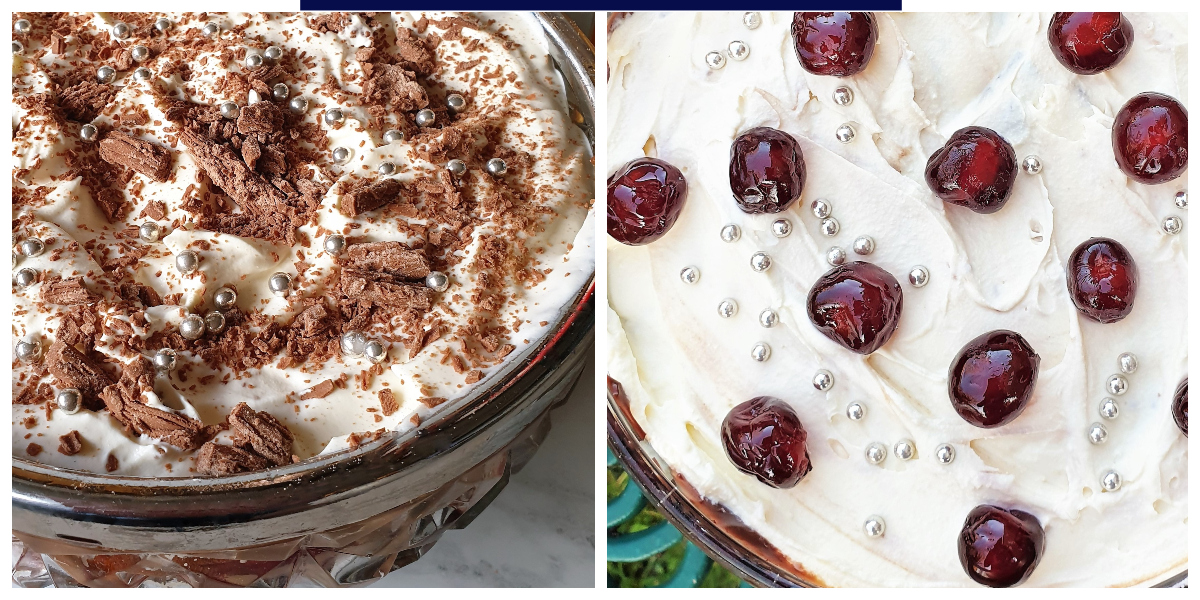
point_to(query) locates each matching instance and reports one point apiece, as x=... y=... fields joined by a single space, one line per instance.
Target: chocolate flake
x=111 y=464
x=70 y=444
x=261 y=433
x=370 y=197
x=33 y=449
x=392 y=258
x=387 y=402
x=218 y=460
x=124 y=402
x=72 y=369
x=67 y=292
x=320 y=390
x=84 y=100
x=140 y=155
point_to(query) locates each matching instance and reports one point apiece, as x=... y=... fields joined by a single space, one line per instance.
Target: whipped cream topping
x=683 y=367
x=524 y=99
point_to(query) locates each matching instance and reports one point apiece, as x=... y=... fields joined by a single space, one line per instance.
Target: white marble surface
x=540 y=531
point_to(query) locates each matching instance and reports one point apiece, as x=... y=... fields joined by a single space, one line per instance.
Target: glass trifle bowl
x=366 y=504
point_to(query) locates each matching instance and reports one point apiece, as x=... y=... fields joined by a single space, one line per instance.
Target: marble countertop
x=540 y=531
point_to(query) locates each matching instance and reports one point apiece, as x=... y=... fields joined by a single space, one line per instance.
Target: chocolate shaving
x=219 y=460
x=70 y=444
x=140 y=155
x=111 y=464
x=370 y=197
x=261 y=433
x=431 y=402
x=83 y=101
x=320 y=390
x=155 y=210
x=262 y=117
x=366 y=287
x=124 y=402
x=136 y=292
x=111 y=202
x=72 y=369
x=67 y=292
x=394 y=87
x=392 y=258
x=33 y=449
x=388 y=403
x=328 y=22
x=80 y=325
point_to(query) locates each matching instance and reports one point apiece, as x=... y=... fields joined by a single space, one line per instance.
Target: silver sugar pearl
x=120 y=31
x=254 y=61
x=1181 y=199
x=714 y=60
x=918 y=276
x=32 y=247
x=280 y=91
x=760 y=262
x=1109 y=409
x=229 y=109
x=905 y=449
x=187 y=261
x=689 y=275
x=22 y=26
x=830 y=226
x=192 y=327
x=457 y=167
x=781 y=228
x=1097 y=434
x=437 y=281
x=105 y=74
x=1032 y=164
x=1117 y=384
x=341 y=155
x=280 y=284
x=768 y=318
x=497 y=167
x=752 y=20
x=162 y=24
x=425 y=117
x=821 y=208
x=760 y=352
x=727 y=308
x=875 y=453
x=335 y=243
x=334 y=116
x=142 y=74
x=823 y=380
x=730 y=233
x=843 y=96
x=738 y=50
x=211 y=29
x=215 y=321
x=874 y=526
x=856 y=411
x=835 y=256
x=1110 y=481
x=944 y=454
x=387 y=168
x=25 y=278
x=273 y=53
x=139 y=53
x=864 y=245
x=1128 y=362
x=18 y=47
x=353 y=343
x=69 y=400
x=164 y=359
x=88 y=133
x=392 y=136
x=845 y=133
x=225 y=298
x=375 y=352
x=1172 y=225
x=27 y=351
x=455 y=102
x=298 y=104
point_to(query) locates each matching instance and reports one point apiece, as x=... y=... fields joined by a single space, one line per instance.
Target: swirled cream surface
x=683 y=367
x=516 y=103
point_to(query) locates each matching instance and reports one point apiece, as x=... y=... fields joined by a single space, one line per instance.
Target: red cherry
x=992 y=378
x=763 y=437
x=1179 y=406
x=834 y=43
x=856 y=305
x=1102 y=279
x=645 y=198
x=1150 y=138
x=766 y=170
x=1090 y=42
x=976 y=169
x=998 y=547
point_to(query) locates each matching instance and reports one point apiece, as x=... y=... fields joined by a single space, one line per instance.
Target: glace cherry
x=645 y=198
x=998 y=547
x=1102 y=279
x=1179 y=406
x=766 y=170
x=763 y=437
x=992 y=378
x=856 y=305
x=1150 y=138
x=1090 y=42
x=976 y=169
x=834 y=43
